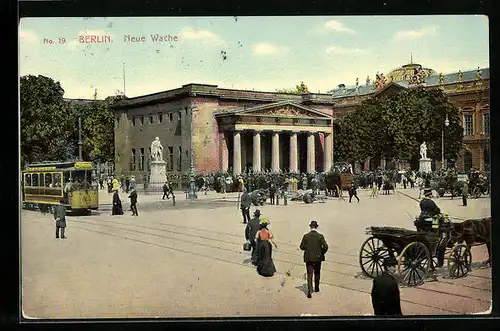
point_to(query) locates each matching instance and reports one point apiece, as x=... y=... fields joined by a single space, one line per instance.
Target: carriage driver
x=436 y=224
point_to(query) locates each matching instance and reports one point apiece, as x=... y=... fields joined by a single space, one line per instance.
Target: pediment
x=390 y=89
x=280 y=109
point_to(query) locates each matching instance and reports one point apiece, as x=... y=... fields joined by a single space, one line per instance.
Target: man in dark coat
x=352 y=192
x=385 y=295
x=315 y=247
x=133 y=202
x=117 y=204
x=166 y=191
x=246 y=201
x=250 y=231
x=465 y=193
x=272 y=193
x=60 y=217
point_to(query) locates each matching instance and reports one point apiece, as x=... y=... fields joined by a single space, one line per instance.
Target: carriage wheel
x=476 y=193
x=372 y=255
x=459 y=261
x=413 y=264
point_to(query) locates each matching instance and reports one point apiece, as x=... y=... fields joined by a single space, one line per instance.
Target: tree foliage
x=49 y=124
x=299 y=89
x=394 y=126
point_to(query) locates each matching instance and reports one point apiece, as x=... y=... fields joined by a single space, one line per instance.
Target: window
x=186 y=110
x=132 y=163
x=133 y=120
x=41 y=179
x=57 y=180
x=486 y=123
x=160 y=117
x=35 y=180
x=27 y=180
x=468 y=125
x=170 y=117
x=117 y=120
x=170 y=158
x=141 y=164
x=150 y=119
x=142 y=120
x=48 y=180
x=467 y=160
x=179 y=164
x=179 y=115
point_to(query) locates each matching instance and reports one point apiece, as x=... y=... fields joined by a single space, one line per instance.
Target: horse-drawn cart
x=411 y=253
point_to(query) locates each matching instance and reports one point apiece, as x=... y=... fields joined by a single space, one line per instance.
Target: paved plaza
x=187 y=261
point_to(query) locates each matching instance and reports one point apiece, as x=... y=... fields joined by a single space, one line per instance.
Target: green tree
x=299 y=89
x=46 y=120
x=394 y=126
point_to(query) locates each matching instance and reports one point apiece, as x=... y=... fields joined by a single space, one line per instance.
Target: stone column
x=481 y=158
x=256 y=151
x=328 y=157
x=293 y=153
x=236 y=153
x=311 y=153
x=224 y=152
x=275 y=165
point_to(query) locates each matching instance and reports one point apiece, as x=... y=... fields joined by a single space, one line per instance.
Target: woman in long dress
x=263 y=238
x=117 y=204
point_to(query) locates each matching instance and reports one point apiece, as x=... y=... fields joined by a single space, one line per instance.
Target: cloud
x=337 y=26
x=268 y=49
x=201 y=35
x=28 y=36
x=335 y=49
x=415 y=34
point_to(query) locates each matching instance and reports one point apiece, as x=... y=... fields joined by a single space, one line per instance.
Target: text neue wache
x=128 y=38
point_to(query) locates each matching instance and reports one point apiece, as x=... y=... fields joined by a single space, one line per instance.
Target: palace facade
x=236 y=130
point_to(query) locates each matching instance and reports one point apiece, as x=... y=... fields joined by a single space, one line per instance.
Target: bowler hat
x=313 y=224
x=257 y=212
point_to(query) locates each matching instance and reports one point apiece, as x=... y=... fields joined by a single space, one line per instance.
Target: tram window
x=57 y=180
x=35 y=180
x=66 y=177
x=41 y=178
x=27 y=180
x=48 y=180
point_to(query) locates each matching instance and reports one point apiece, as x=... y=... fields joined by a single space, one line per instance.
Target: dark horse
x=473 y=231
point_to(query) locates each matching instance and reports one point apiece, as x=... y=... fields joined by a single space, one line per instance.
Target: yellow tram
x=45 y=183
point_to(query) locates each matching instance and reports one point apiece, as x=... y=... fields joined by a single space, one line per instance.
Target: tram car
x=45 y=184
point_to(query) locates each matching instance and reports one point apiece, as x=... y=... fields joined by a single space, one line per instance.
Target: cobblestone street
x=187 y=260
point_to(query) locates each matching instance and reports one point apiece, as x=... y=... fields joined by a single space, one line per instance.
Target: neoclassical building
x=238 y=130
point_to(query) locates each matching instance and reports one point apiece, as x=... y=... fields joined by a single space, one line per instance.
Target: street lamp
x=192 y=174
x=446 y=123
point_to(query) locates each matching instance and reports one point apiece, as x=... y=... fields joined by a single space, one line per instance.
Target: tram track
x=244 y=265
x=324 y=269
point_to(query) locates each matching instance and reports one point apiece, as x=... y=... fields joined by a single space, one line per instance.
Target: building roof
x=433 y=80
x=250 y=110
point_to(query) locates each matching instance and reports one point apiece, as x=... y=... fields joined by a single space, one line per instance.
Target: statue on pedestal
x=423 y=151
x=156 y=150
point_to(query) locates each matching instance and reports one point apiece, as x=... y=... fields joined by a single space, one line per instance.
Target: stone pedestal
x=158 y=174
x=425 y=166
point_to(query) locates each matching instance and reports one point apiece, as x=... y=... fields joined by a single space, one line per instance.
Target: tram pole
x=80 y=138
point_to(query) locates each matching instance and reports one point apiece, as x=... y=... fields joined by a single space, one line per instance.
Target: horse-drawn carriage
x=412 y=254
x=478 y=185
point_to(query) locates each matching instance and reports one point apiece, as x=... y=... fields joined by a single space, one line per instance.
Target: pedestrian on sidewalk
x=315 y=247
x=465 y=193
x=245 y=203
x=117 y=204
x=133 y=202
x=385 y=295
x=166 y=191
x=352 y=192
x=60 y=217
x=251 y=230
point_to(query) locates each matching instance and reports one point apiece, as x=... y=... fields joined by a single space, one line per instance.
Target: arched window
x=467 y=160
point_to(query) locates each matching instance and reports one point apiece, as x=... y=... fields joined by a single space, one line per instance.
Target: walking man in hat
x=315 y=247
x=60 y=217
x=251 y=230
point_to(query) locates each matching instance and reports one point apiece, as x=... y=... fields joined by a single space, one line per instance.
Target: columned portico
x=294 y=153
x=256 y=151
x=311 y=153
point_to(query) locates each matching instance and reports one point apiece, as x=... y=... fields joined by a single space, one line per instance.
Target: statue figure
x=441 y=78
x=357 y=81
x=156 y=150
x=423 y=150
x=460 y=77
x=367 y=80
x=478 y=74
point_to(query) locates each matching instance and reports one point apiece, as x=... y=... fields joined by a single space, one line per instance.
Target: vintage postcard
x=280 y=166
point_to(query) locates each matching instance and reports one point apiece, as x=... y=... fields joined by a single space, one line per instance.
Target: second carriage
x=411 y=253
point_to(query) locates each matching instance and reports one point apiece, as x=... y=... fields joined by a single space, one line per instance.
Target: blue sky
x=262 y=53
